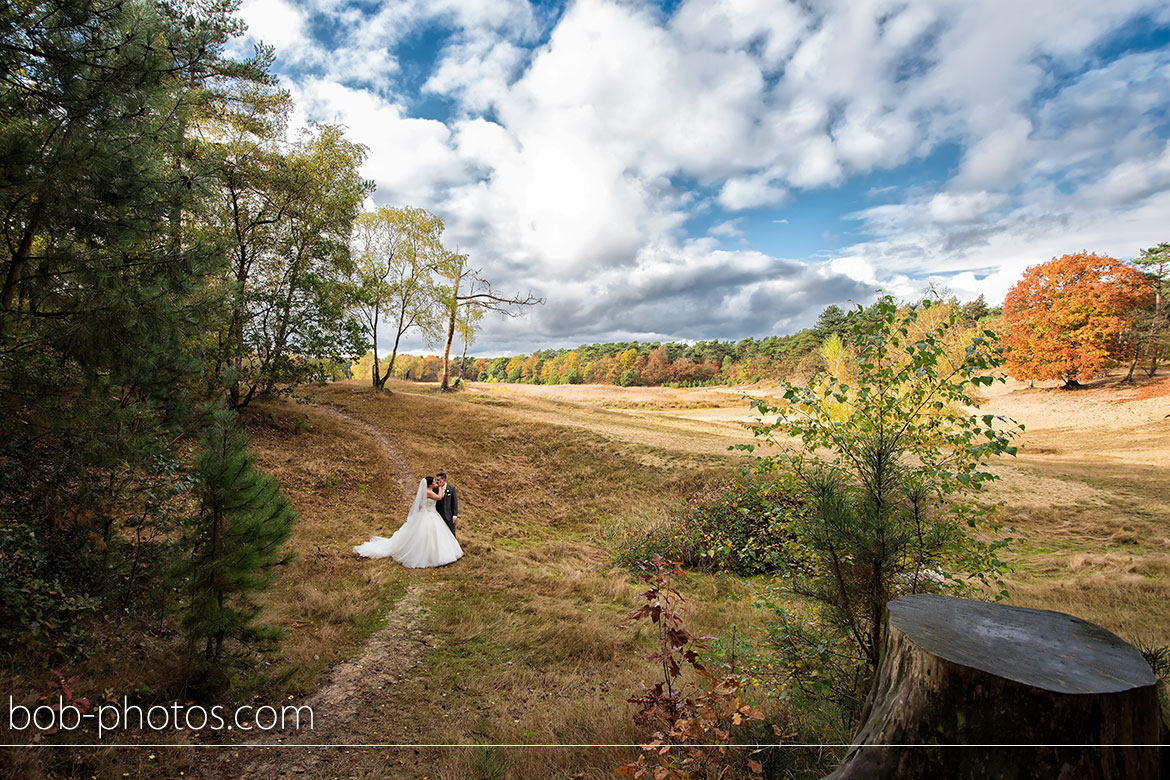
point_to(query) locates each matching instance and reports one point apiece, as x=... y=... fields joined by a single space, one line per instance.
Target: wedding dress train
x=423 y=541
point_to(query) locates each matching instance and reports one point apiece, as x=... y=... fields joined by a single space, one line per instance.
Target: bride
x=423 y=540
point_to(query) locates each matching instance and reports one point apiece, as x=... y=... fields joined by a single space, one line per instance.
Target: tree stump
x=1014 y=693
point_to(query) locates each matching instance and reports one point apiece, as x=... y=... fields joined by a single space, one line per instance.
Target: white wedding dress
x=424 y=540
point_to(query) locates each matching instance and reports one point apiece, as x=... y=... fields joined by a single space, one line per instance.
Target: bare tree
x=469 y=288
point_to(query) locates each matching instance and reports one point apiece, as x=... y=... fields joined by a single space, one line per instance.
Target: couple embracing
x=427 y=538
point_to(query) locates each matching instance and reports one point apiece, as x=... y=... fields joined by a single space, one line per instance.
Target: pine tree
x=102 y=295
x=236 y=543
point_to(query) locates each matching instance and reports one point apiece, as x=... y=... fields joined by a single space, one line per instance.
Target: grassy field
x=523 y=641
x=524 y=638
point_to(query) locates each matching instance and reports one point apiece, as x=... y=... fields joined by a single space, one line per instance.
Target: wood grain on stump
x=1059 y=696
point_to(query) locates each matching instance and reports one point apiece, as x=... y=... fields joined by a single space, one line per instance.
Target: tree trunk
x=1132 y=365
x=1156 y=340
x=377 y=375
x=447 y=347
x=23 y=251
x=390 y=363
x=402 y=328
x=463 y=362
x=452 y=312
x=1077 y=700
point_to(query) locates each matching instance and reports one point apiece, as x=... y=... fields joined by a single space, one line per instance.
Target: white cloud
x=745 y=192
x=573 y=165
x=951 y=208
x=728 y=229
x=996 y=158
x=275 y=22
x=1134 y=179
x=409 y=159
x=477 y=73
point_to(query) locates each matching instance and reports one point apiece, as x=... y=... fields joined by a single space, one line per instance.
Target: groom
x=448 y=505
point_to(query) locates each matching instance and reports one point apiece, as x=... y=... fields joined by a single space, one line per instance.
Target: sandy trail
x=350 y=706
x=687 y=430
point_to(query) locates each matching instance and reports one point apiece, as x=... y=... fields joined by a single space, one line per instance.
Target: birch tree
x=396 y=249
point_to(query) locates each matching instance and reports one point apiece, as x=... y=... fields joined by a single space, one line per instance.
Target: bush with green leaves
x=741 y=524
x=40 y=604
x=891 y=461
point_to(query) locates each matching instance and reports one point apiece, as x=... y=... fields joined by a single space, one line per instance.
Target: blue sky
x=726 y=168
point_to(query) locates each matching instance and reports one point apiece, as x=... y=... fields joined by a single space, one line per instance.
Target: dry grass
x=1090 y=496
x=527 y=642
x=530 y=645
x=336 y=480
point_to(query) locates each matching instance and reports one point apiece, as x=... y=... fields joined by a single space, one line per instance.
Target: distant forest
x=673 y=364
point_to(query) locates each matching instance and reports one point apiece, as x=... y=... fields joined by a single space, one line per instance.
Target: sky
x=721 y=169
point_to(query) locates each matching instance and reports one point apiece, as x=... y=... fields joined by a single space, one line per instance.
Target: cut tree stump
x=1061 y=697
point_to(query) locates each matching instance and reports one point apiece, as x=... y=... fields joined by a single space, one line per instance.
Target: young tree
x=477 y=294
x=236 y=543
x=1065 y=316
x=466 y=326
x=889 y=462
x=396 y=249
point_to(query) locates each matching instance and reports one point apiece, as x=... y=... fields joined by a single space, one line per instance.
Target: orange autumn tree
x=1064 y=316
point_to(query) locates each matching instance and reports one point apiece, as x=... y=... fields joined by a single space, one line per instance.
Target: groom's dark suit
x=448 y=506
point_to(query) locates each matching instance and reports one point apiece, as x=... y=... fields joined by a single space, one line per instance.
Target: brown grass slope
x=522 y=640
x=525 y=637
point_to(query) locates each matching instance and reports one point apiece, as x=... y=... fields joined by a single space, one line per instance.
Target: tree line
x=1070 y=318
x=676 y=364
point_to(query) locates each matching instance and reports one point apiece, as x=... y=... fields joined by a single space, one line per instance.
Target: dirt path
x=350 y=707
x=680 y=430
x=390 y=453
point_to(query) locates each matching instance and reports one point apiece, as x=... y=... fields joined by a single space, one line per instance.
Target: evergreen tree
x=236 y=543
x=102 y=300
x=975 y=310
x=832 y=322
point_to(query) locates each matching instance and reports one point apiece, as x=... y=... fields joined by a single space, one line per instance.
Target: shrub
x=741 y=525
x=41 y=602
x=889 y=465
x=692 y=722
